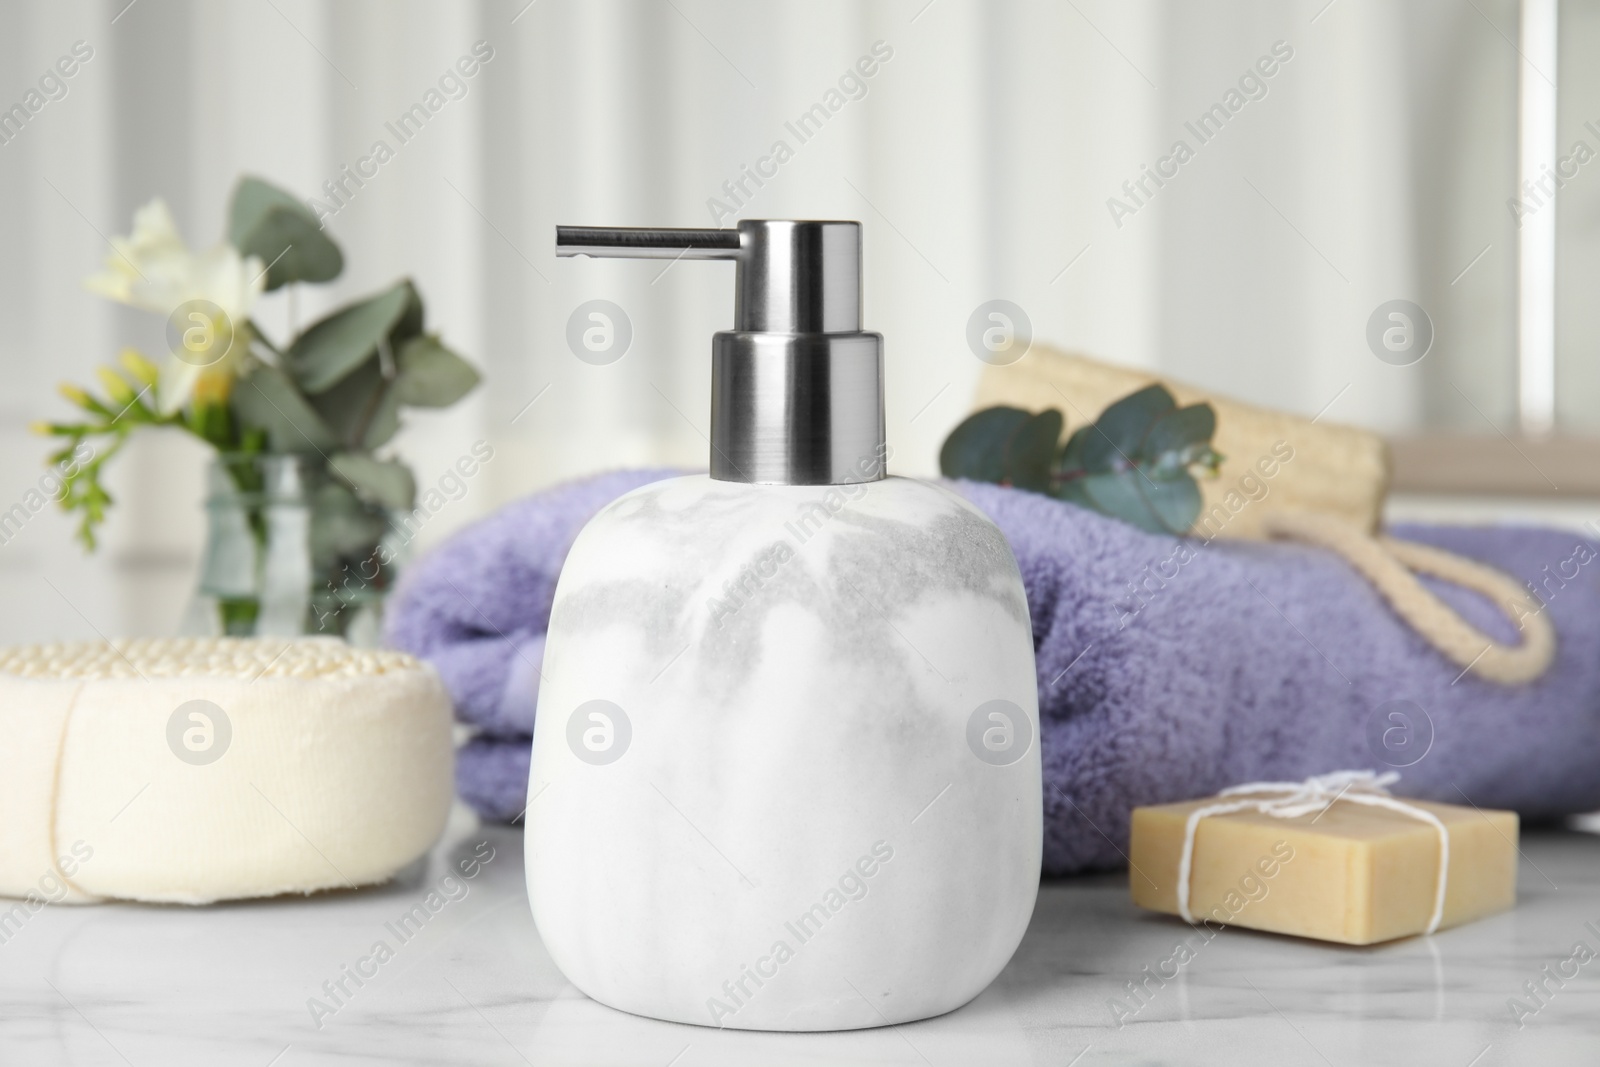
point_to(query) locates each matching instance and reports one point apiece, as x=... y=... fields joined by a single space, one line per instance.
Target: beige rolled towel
x=196 y=770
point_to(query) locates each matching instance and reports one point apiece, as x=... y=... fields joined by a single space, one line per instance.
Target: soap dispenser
x=785 y=768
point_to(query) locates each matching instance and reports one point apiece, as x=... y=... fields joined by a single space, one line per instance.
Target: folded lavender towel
x=479 y=604
x=1167 y=668
x=492 y=775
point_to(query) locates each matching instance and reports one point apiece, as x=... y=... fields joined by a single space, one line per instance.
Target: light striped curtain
x=981 y=154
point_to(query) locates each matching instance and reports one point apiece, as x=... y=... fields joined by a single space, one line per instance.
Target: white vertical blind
x=1536 y=237
x=980 y=159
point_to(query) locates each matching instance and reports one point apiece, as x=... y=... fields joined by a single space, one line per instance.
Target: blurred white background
x=980 y=159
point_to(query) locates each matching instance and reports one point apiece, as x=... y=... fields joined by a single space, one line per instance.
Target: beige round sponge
x=200 y=769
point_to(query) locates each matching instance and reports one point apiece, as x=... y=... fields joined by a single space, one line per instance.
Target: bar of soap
x=1355 y=874
x=204 y=769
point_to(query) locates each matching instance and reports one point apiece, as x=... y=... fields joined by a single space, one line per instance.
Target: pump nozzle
x=613 y=243
x=796 y=385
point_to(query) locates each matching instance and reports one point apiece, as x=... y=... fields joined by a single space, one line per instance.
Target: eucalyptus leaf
x=385 y=482
x=1122 y=427
x=1119 y=496
x=267 y=222
x=1072 y=453
x=1031 y=451
x=429 y=375
x=348 y=405
x=1179 y=431
x=385 y=421
x=265 y=399
x=410 y=322
x=363 y=410
x=331 y=349
x=1158 y=505
x=1135 y=464
x=977 y=448
x=1175 y=501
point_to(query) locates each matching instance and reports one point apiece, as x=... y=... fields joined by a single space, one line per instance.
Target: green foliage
x=90 y=442
x=265 y=399
x=83 y=491
x=980 y=448
x=335 y=391
x=387 y=483
x=332 y=348
x=429 y=375
x=1137 y=462
x=267 y=222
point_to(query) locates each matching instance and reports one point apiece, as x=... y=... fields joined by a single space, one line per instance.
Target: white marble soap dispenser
x=786 y=763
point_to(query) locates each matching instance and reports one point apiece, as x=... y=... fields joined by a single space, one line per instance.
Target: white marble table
x=123 y=984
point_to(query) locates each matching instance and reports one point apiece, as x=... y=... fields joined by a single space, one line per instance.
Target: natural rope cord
x=1388 y=563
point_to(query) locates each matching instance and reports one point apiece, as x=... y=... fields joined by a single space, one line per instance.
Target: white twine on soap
x=1318 y=794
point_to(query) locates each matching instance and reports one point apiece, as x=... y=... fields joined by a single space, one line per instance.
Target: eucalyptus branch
x=1138 y=462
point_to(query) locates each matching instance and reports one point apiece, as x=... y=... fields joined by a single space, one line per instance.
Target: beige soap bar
x=1355 y=874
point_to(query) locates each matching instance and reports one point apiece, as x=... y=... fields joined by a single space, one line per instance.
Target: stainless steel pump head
x=796 y=385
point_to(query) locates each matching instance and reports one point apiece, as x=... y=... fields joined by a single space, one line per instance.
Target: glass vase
x=292 y=550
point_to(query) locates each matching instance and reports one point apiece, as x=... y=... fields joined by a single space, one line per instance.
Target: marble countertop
x=232 y=984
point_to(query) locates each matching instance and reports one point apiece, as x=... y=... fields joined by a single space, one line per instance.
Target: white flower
x=153 y=269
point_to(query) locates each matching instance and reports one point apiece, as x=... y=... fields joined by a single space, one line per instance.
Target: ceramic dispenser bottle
x=786 y=764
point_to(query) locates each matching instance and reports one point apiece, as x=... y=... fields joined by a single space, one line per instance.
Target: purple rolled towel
x=492 y=775
x=1167 y=668
x=477 y=606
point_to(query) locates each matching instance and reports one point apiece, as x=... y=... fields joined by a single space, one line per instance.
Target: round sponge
x=202 y=769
